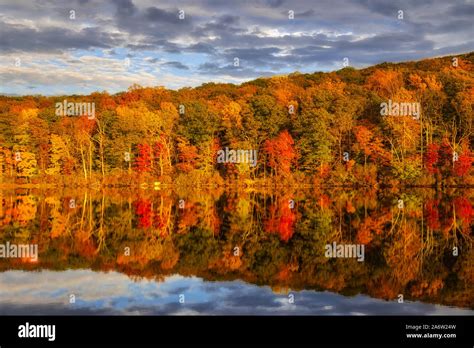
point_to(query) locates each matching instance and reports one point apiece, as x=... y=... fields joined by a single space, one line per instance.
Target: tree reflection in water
x=421 y=248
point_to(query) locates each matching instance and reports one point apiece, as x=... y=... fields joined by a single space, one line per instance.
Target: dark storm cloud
x=153 y=22
x=125 y=8
x=308 y=13
x=156 y=45
x=459 y=25
x=18 y=37
x=220 y=26
x=462 y=10
x=274 y=3
x=386 y=8
x=392 y=42
x=154 y=14
x=366 y=51
x=201 y=48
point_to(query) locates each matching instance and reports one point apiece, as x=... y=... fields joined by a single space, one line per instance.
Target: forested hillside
x=408 y=123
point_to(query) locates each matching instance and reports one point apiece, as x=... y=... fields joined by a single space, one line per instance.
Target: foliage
x=322 y=127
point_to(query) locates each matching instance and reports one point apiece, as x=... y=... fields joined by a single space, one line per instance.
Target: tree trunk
x=84 y=166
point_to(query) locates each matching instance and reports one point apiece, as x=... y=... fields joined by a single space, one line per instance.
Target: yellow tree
x=58 y=153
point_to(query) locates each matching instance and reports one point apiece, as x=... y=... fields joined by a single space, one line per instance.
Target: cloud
x=47 y=293
x=202 y=46
x=176 y=65
x=20 y=38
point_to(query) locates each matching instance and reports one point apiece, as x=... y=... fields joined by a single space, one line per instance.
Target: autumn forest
x=250 y=182
x=314 y=129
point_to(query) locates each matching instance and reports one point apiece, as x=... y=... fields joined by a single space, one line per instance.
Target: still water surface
x=246 y=252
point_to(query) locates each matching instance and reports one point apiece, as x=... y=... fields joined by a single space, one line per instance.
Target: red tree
x=143 y=161
x=464 y=210
x=281 y=220
x=439 y=159
x=464 y=163
x=143 y=212
x=281 y=153
x=432 y=214
x=431 y=158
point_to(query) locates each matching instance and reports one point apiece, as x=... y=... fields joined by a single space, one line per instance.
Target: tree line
x=313 y=128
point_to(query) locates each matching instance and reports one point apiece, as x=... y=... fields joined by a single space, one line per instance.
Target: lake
x=239 y=251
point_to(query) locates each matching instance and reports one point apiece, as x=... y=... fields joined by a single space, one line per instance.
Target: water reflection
x=257 y=248
x=48 y=292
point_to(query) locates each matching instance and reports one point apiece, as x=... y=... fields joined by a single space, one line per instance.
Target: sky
x=80 y=46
